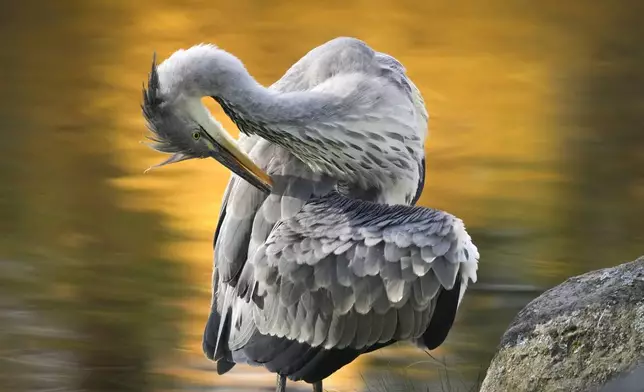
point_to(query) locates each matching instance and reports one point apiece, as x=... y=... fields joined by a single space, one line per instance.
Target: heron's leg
x=281 y=383
x=317 y=386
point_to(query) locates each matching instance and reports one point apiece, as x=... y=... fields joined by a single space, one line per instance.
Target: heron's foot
x=281 y=383
x=317 y=386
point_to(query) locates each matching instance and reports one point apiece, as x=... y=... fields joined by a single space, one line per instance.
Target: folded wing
x=344 y=273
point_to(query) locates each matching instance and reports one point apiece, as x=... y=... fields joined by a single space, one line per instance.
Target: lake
x=536 y=141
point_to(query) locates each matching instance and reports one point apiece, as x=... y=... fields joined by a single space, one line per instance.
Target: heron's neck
x=206 y=71
x=251 y=105
x=289 y=119
x=242 y=91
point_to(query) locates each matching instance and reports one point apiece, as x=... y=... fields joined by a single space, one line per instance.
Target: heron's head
x=183 y=127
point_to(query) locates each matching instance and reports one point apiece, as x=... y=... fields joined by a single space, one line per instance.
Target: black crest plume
x=150 y=97
x=159 y=119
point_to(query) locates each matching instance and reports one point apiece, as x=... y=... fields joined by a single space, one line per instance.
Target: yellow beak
x=224 y=148
x=226 y=152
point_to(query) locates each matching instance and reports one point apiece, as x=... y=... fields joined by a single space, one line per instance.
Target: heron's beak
x=224 y=148
x=227 y=153
x=174 y=158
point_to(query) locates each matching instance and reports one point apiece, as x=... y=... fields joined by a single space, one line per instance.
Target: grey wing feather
x=247 y=218
x=347 y=55
x=397 y=299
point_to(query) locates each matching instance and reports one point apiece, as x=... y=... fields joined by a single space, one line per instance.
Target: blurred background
x=536 y=142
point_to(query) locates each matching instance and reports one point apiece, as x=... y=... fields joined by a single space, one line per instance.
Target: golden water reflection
x=535 y=141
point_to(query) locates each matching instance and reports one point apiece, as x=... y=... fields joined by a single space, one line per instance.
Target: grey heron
x=319 y=254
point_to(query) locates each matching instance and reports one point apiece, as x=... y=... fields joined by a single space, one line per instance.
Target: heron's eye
x=196 y=135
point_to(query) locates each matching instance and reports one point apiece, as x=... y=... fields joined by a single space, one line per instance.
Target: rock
x=575 y=336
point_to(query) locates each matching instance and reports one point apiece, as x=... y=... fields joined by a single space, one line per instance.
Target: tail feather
x=443 y=317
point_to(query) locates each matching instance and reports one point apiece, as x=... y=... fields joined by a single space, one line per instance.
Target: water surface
x=536 y=142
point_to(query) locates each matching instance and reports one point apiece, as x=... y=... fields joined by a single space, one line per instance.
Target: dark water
x=537 y=143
